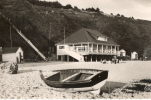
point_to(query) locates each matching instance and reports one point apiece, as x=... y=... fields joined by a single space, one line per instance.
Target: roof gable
x=9 y=50
x=87 y=35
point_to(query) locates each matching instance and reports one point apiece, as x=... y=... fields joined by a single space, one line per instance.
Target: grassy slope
x=37 y=22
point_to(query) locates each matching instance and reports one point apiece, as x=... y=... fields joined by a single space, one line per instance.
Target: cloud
x=144 y=2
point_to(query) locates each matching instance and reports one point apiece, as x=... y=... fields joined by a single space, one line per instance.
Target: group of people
x=113 y=61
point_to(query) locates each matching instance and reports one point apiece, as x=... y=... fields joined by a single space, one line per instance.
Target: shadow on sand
x=25 y=71
x=110 y=86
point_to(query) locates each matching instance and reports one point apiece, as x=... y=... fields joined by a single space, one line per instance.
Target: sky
x=139 y=9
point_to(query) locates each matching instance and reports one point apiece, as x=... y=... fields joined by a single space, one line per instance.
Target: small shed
x=13 y=54
x=134 y=55
x=122 y=53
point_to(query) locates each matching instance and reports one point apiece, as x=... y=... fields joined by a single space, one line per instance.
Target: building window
x=102 y=38
x=81 y=49
x=61 y=47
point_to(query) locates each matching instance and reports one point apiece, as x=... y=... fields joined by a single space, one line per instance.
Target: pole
x=24 y=37
x=49 y=33
x=64 y=35
x=10 y=29
x=49 y=37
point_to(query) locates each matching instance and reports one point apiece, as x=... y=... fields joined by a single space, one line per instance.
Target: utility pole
x=64 y=35
x=49 y=37
x=10 y=30
x=49 y=32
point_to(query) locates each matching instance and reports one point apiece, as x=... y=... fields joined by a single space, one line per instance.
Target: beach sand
x=28 y=85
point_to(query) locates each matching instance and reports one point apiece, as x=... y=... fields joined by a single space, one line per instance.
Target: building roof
x=134 y=52
x=122 y=50
x=87 y=35
x=9 y=50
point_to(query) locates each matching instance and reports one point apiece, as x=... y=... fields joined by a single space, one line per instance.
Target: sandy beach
x=28 y=85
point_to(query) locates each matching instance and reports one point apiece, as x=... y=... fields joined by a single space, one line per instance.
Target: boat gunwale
x=79 y=69
x=69 y=82
x=91 y=70
x=59 y=84
x=78 y=81
x=73 y=82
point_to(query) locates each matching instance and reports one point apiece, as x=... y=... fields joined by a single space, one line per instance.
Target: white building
x=14 y=54
x=122 y=53
x=134 y=55
x=86 y=45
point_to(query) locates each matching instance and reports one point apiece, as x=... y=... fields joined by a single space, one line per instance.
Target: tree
x=118 y=15
x=55 y=4
x=97 y=10
x=112 y=14
x=68 y=6
x=90 y=9
x=76 y=8
x=147 y=52
x=122 y=16
x=1 y=7
x=94 y=10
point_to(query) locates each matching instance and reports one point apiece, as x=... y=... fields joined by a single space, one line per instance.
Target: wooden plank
x=70 y=77
x=92 y=76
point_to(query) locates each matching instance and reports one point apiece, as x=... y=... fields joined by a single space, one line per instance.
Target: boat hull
x=94 y=89
x=93 y=80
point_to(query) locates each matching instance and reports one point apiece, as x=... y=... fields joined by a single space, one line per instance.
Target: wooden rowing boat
x=74 y=80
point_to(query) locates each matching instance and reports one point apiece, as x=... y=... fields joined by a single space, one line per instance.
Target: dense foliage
x=46 y=4
x=44 y=23
x=93 y=9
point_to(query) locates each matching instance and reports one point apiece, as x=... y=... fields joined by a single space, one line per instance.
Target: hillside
x=45 y=25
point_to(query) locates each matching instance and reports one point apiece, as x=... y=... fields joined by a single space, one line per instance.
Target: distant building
x=86 y=45
x=122 y=53
x=14 y=54
x=134 y=55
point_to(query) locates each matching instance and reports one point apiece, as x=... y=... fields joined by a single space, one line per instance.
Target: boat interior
x=73 y=75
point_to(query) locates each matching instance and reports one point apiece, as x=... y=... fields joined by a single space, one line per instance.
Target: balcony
x=98 y=50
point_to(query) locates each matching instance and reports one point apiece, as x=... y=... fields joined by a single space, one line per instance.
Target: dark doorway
x=20 y=57
x=17 y=59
